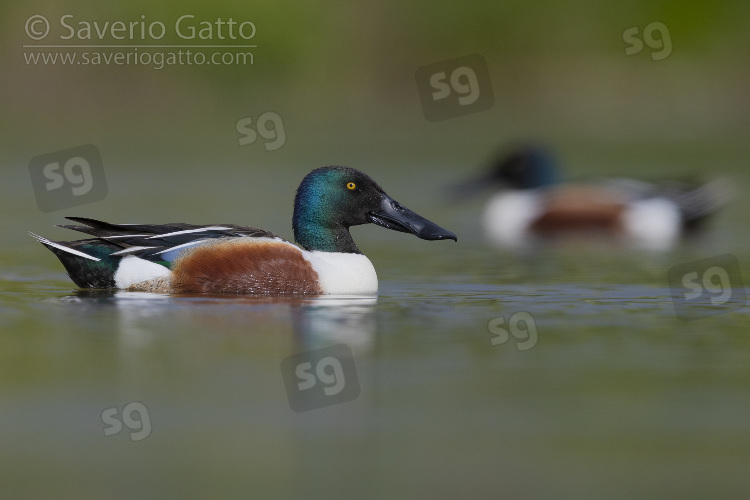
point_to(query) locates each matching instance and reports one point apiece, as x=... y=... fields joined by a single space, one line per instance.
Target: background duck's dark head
x=526 y=167
x=331 y=199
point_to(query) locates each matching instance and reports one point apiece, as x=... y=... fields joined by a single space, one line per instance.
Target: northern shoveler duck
x=227 y=258
x=532 y=203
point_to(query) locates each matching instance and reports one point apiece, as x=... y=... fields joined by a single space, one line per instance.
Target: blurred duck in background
x=532 y=205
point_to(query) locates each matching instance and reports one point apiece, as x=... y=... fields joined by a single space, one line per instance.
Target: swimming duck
x=532 y=203
x=227 y=258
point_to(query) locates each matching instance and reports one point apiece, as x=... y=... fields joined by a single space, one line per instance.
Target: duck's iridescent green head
x=526 y=168
x=331 y=199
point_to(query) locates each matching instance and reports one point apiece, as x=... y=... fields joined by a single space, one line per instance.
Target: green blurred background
x=342 y=78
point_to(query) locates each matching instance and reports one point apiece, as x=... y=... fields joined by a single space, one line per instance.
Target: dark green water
x=615 y=397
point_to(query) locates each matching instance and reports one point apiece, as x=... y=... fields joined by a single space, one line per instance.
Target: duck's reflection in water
x=316 y=321
x=335 y=319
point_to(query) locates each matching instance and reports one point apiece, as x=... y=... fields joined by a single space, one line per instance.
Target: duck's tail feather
x=88 y=262
x=700 y=202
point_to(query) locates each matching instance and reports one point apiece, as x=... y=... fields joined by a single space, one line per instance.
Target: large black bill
x=393 y=215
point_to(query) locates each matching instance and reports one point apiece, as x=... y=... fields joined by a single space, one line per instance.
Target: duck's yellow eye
x=351 y=186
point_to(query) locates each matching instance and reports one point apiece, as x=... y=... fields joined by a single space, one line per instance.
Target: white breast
x=508 y=216
x=343 y=273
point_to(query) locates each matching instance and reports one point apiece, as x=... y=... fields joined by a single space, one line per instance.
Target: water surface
x=616 y=397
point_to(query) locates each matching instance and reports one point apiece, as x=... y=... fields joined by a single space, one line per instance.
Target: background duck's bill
x=471 y=187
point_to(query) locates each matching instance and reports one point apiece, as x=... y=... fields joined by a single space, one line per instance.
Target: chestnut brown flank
x=244 y=266
x=580 y=208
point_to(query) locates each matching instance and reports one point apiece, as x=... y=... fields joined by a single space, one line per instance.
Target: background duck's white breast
x=343 y=273
x=508 y=216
